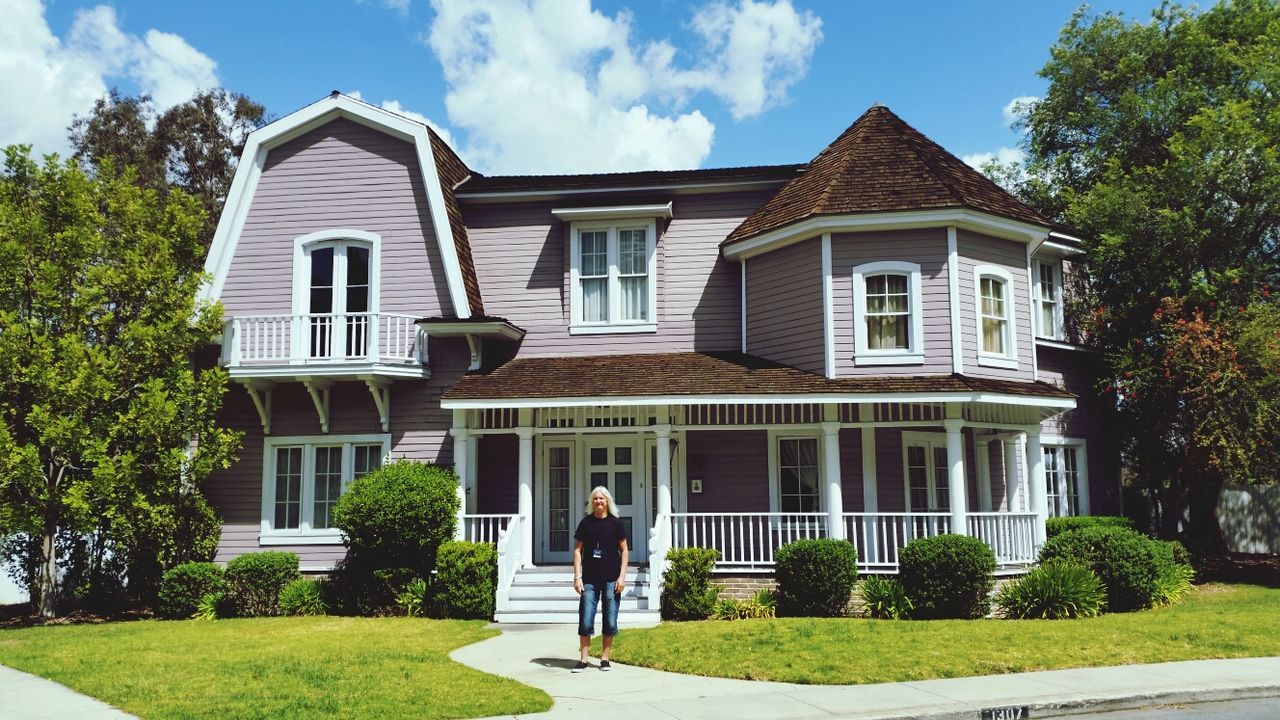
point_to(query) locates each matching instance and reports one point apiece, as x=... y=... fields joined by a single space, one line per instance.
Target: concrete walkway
x=27 y=697
x=541 y=655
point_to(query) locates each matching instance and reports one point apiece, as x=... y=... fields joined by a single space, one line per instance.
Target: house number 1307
x=1012 y=712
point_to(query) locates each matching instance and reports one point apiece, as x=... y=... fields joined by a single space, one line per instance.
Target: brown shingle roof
x=882 y=164
x=603 y=181
x=452 y=171
x=667 y=374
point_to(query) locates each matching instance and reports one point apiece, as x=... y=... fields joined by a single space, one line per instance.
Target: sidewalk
x=541 y=655
x=27 y=697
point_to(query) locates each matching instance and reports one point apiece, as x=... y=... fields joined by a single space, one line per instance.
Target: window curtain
x=633 y=269
x=594 y=274
x=993 y=316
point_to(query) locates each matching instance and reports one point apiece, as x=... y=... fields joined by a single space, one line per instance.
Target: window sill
x=310 y=538
x=889 y=359
x=997 y=361
x=613 y=329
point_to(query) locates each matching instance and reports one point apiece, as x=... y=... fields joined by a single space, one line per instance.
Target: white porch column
x=955 y=476
x=831 y=469
x=1012 y=476
x=663 y=448
x=982 y=458
x=524 y=498
x=1039 y=498
x=461 y=456
x=869 y=550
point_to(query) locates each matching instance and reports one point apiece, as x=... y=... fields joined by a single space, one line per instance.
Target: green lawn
x=1216 y=621
x=273 y=667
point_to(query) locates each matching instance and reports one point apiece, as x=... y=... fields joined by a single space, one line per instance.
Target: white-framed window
x=994 y=303
x=888 y=328
x=925 y=472
x=1048 y=291
x=613 y=276
x=335 y=293
x=1066 y=476
x=795 y=471
x=302 y=479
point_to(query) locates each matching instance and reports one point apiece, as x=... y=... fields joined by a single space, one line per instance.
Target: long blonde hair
x=613 y=508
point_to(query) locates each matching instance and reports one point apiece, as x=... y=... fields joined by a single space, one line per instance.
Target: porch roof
x=735 y=377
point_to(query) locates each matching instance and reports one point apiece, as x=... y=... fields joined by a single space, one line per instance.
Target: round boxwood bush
x=398 y=515
x=1125 y=561
x=254 y=581
x=1052 y=591
x=948 y=576
x=687 y=593
x=466 y=580
x=1058 y=525
x=815 y=577
x=182 y=587
x=302 y=597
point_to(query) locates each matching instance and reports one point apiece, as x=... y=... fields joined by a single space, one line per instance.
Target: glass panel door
x=614 y=464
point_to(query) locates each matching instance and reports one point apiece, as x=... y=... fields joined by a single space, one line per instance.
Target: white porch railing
x=659 y=544
x=510 y=554
x=328 y=337
x=745 y=540
x=879 y=536
x=484 y=528
x=1011 y=535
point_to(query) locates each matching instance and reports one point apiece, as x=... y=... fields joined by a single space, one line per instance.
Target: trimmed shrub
x=356 y=587
x=884 y=598
x=398 y=515
x=687 y=593
x=761 y=605
x=1125 y=561
x=1058 y=525
x=182 y=588
x=1053 y=591
x=815 y=577
x=254 y=581
x=948 y=576
x=466 y=580
x=302 y=597
x=1174 y=573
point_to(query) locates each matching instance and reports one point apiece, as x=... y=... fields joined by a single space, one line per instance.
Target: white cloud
x=1004 y=156
x=400 y=6
x=561 y=87
x=46 y=81
x=1018 y=107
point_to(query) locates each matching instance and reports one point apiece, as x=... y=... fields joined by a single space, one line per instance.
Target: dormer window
x=887 y=316
x=993 y=291
x=613 y=268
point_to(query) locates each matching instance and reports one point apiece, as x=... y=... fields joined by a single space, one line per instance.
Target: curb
x=1093 y=705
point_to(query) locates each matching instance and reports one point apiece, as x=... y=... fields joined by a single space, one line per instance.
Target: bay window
x=887 y=324
x=303 y=477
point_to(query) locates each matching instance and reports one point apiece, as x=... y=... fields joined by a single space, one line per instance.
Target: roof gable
x=882 y=164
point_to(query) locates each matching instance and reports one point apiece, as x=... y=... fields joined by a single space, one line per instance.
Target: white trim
x=1055 y=268
x=775 y=436
x=744 y=305
x=778 y=399
x=358 y=371
x=261 y=141
x=1041 y=342
x=615 y=212
x=577 y=326
x=1082 y=466
x=900 y=220
x=481 y=196
x=1009 y=358
x=914 y=352
x=304 y=534
x=334 y=236
x=828 y=310
x=1035 y=360
x=930 y=441
x=486 y=328
x=953 y=292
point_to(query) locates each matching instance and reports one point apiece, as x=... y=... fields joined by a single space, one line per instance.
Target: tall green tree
x=1158 y=140
x=193 y=146
x=106 y=426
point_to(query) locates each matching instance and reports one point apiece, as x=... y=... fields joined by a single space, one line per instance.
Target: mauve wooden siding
x=851 y=469
x=784 y=306
x=1093 y=420
x=521 y=253
x=419 y=431
x=734 y=468
x=975 y=250
x=925 y=247
x=497 y=474
x=340 y=175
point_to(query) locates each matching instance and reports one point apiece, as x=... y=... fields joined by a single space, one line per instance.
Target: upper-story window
x=887 y=324
x=1049 y=300
x=993 y=291
x=335 y=293
x=613 y=276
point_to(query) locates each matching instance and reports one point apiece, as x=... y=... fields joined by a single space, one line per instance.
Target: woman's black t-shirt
x=601 y=556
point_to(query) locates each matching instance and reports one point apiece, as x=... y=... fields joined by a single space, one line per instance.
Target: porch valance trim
x=771 y=399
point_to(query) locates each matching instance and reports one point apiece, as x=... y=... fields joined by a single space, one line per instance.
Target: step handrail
x=510 y=551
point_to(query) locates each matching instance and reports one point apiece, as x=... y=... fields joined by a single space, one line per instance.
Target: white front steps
x=545 y=595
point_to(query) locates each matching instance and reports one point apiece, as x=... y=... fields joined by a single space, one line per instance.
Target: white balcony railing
x=1011 y=535
x=745 y=540
x=484 y=528
x=323 y=338
x=879 y=536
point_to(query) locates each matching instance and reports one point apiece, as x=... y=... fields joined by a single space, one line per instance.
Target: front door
x=614 y=463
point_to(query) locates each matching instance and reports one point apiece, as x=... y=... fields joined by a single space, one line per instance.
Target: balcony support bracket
x=380 y=389
x=319 y=391
x=260 y=394
x=474 y=343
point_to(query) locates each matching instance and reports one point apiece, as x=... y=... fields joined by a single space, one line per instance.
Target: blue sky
x=573 y=86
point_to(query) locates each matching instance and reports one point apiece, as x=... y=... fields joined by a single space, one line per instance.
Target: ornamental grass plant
x=1053 y=591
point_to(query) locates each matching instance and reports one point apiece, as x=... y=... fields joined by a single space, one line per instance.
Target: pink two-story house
x=868 y=346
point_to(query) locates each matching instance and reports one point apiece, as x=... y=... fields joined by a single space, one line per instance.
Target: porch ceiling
x=720 y=377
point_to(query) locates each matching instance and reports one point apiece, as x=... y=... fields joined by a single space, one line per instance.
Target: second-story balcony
x=327 y=344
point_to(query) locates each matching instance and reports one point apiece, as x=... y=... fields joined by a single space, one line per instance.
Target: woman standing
x=599 y=573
